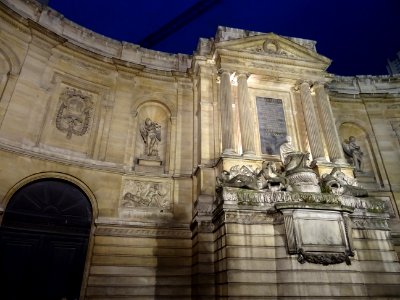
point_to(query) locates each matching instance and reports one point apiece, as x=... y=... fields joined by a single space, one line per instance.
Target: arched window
x=43 y=241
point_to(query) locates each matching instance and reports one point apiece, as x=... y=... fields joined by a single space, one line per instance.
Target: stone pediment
x=271 y=45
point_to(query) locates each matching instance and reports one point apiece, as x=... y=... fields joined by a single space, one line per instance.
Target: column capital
x=243 y=74
x=318 y=85
x=222 y=71
x=302 y=83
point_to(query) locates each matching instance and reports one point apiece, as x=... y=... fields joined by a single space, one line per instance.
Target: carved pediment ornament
x=271 y=46
x=74 y=112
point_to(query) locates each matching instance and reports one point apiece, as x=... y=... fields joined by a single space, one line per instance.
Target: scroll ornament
x=74 y=113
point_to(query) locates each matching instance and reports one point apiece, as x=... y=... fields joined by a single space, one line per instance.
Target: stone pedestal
x=149 y=164
x=318 y=233
x=280 y=243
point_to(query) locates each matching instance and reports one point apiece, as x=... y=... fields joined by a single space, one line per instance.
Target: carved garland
x=74 y=113
x=324 y=259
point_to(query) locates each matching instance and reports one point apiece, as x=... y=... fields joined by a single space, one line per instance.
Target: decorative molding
x=245 y=217
x=247 y=197
x=323 y=258
x=238 y=196
x=290 y=237
x=144 y=232
x=272 y=46
x=369 y=223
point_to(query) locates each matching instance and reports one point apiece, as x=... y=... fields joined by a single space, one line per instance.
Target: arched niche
x=44 y=239
x=362 y=139
x=149 y=115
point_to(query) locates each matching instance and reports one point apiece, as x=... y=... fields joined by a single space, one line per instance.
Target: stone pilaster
x=227 y=121
x=310 y=117
x=246 y=125
x=335 y=150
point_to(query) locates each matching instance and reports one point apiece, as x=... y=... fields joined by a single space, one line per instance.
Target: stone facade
x=145 y=134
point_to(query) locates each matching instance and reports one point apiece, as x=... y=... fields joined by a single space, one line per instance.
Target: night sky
x=358 y=35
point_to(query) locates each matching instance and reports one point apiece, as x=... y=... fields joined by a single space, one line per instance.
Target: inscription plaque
x=272 y=124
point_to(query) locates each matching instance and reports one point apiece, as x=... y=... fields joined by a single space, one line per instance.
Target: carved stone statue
x=293 y=159
x=353 y=152
x=243 y=177
x=340 y=184
x=300 y=176
x=268 y=178
x=151 y=134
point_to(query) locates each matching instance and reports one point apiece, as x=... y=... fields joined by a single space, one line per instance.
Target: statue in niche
x=151 y=134
x=292 y=159
x=339 y=183
x=353 y=153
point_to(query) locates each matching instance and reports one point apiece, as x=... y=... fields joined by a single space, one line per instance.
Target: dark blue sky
x=358 y=35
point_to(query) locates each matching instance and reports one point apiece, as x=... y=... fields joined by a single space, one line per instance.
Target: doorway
x=43 y=241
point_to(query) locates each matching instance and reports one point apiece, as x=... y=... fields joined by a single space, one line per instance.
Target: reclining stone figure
x=340 y=184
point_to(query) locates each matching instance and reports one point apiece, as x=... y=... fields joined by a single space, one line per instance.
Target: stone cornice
x=118 y=227
x=375 y=86
x=80 y=162
x=272 y=58
x=231 y=197
x=26 y=14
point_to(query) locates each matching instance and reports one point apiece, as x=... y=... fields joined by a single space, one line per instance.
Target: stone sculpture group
x=294 y=174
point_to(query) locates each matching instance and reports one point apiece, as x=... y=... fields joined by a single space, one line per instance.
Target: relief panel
x=145 y=196
x=71 y=124
x=74 y=112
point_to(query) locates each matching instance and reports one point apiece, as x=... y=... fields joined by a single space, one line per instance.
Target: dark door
x=43 y=241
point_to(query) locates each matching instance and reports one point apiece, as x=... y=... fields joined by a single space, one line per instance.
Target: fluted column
x=310 y=116
x=228 y=144
x=332 y=138
x=246 y=125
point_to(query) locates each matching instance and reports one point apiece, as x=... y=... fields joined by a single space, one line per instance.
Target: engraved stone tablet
x=271 y=119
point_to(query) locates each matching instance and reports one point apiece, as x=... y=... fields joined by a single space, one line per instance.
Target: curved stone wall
x=142 y=132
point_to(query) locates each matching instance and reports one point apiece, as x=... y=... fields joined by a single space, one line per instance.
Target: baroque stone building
x=128 y=173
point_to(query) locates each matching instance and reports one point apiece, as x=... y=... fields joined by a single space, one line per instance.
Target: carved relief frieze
x=74 y=112
x=324 y=258
x=143 y=232
x=146 y=195
x=370 y=223
x=249 y=218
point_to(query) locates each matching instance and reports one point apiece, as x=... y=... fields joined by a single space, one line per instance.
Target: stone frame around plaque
x=329 y=241
x=272 y=124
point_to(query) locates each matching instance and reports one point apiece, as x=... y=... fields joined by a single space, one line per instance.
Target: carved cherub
x=151 y=135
